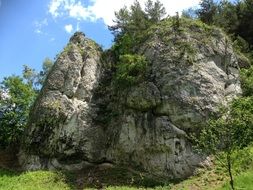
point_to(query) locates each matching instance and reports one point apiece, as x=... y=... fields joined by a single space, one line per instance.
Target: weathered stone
x=78 y=120
x=61 y=125
x=144 y=97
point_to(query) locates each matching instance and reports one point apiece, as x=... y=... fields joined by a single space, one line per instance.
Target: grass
x=39 y=180
x=94 y=178
x=115 y=178
x=242 y=181
x=43 y=180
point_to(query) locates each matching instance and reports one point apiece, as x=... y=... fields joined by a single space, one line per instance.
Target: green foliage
x=233 y=130
x=243 y=181
x=125 y=45
x=230 y=133
x=241 y=119
x=39 y=180
x=46 y=67
x=245 y=15
x=29 y=75
x=226 y=16
x=67 y=48
x=14 y=108
x=36 y=79
x=207 y=11
x=234 y=17
x=118 y=178
x=247 y=81
x=154 y=11
x=17 y=94
x=241 y=159
x=130 y=28
x=131 y=69
x=136 y=19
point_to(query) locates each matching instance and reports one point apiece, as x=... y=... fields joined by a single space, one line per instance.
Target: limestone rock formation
x=79 y=119
x=61 y=121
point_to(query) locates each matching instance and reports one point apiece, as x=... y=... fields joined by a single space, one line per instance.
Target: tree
x=14 y=108
x=207 y=11
x=247 y=81
x=36 y=79
x=138 y=19
x=226 y=16
x=155 y=11
x=234 y=17
x=29 y=75
x=130 y=28
x=17 y=94
x=232 y=131
x=121 y=22
x=176 y=23
x=245 y=15
x=46 y=66
x=129 y=21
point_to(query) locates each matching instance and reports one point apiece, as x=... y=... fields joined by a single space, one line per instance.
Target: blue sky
x=32 y=30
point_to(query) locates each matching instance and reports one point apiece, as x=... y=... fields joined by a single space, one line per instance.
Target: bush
x=130 y=70
x=247 y=81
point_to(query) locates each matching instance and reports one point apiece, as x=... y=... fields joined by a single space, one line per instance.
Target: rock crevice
x=79 y=120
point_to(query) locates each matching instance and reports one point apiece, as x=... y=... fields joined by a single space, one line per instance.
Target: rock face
x=61 y=121
x=79 y=119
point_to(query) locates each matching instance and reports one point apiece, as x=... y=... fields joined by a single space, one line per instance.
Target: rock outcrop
x=61 y=121
x=79 y=119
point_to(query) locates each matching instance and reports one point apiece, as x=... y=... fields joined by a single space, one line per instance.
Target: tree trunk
x=230 y=170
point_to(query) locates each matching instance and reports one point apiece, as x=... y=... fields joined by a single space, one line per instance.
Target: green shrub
x=247 y=81
x=124 y=45
x=131 y=70
x=241 y=44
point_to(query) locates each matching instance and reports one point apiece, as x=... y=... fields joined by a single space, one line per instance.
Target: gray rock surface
x=80 y=120
x=61 y=122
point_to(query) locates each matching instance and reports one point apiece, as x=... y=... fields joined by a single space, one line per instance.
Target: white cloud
x=78 y=11
x=68 y=28
x=54 y=6
x=70 y=8
x=104 y=9
x=38 y=31
x=39 y=25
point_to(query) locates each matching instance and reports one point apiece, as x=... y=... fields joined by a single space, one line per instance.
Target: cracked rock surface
x=78 y=120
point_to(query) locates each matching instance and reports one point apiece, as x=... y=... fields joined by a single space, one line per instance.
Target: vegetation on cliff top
x=132 y=28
